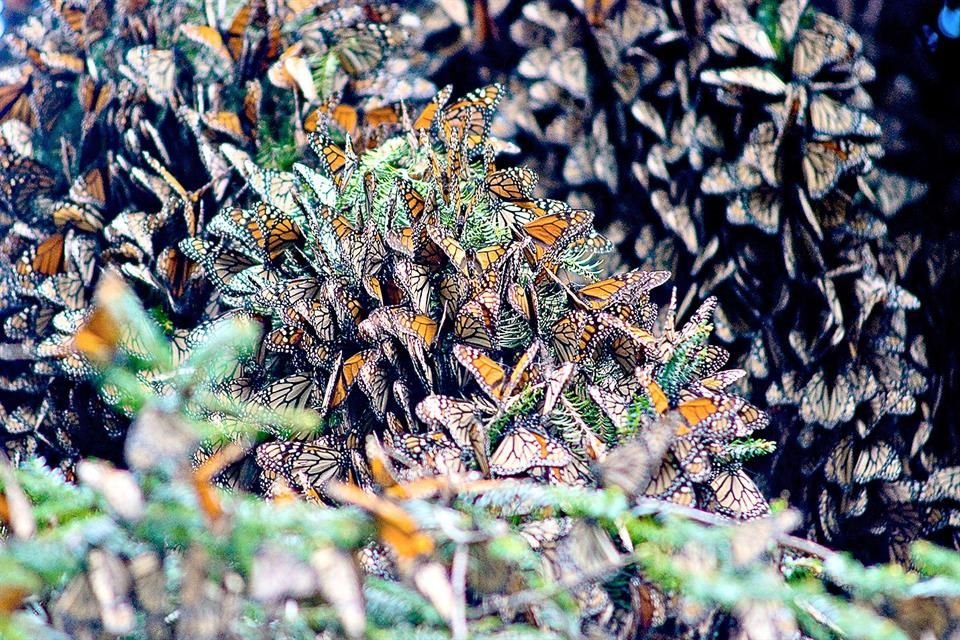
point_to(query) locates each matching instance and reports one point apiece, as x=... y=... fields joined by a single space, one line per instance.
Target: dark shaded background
x=917 y=98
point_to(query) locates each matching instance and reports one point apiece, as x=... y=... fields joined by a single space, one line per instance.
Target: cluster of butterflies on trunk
x=746 y=127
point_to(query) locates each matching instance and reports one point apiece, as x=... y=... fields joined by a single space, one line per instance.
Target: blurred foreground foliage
x=157 y=551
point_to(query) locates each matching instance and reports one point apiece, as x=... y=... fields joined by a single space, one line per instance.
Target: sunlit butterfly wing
x=339 y=163
x=515 y=183
x=346 y=376
x=620 y=288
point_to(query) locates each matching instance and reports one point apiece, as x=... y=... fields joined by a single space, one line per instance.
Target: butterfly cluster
x=444 y=321
x=834 y=342
x=113 y=118
x=743 y=130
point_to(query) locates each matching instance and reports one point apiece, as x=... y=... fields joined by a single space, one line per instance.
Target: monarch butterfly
x=717 y=415
x=707 y=360
x=736 y=495
x=540 y=533
x=338 y=163
x=22 y=178
x=722 y=379
x=49 y=255
x=616 y=406
x=525 y=301
x=301 y=290
x=167 y=185
x=177 y=274
x=401 y=322
x=227 y=123
x=361 y=49
x=309 y=465
x=15 y=95
x=515 y=213
x=762 y=151
x=478 y=320
x=570 y=335
x=210 y=38
x=72 y=13
x=347 y=307
x=91 y=188
x=877 y=460
x=826 y=42
x=239 y=475
x=153 y=70
x=671 y=485
x=426 y=118
x=236 y=34
x=759 y=208
x=374 y=383
x=414 y=279
x=789 y=15
x=452 y=290
x=471 y=116
x=297 y=391
x=414 y=242
x=432 y=453
x=725 y=178
x=459 y=417
x=647 y=115
x=620 y=288
x=580 y=334
x=99 y=337
x=233 y=43
x=30 y=321
x=515 y=183
x=633 y=464
x=629 y=345
x=252 y=100
x=826 y=404
x=265 y=226
x=889 y=192
x=284 y=340
x=492 y=377
x=469 y=262
x=692 y=457
x=942 y=484
x=747 y=34
x=568 y=70
x=65 y=289
x=525 y=446
x=592 y=158
x=833 y=119
x=94 y=97
x=753 y=78
x=319 y=316
x=552 y=233
x=236 y=390
x=276 y=188
x=824 y=163
x=555 y=379
x=220 y=264
x=344 y=376
x=414 y=204
x=676 y=217
x=355 y=121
